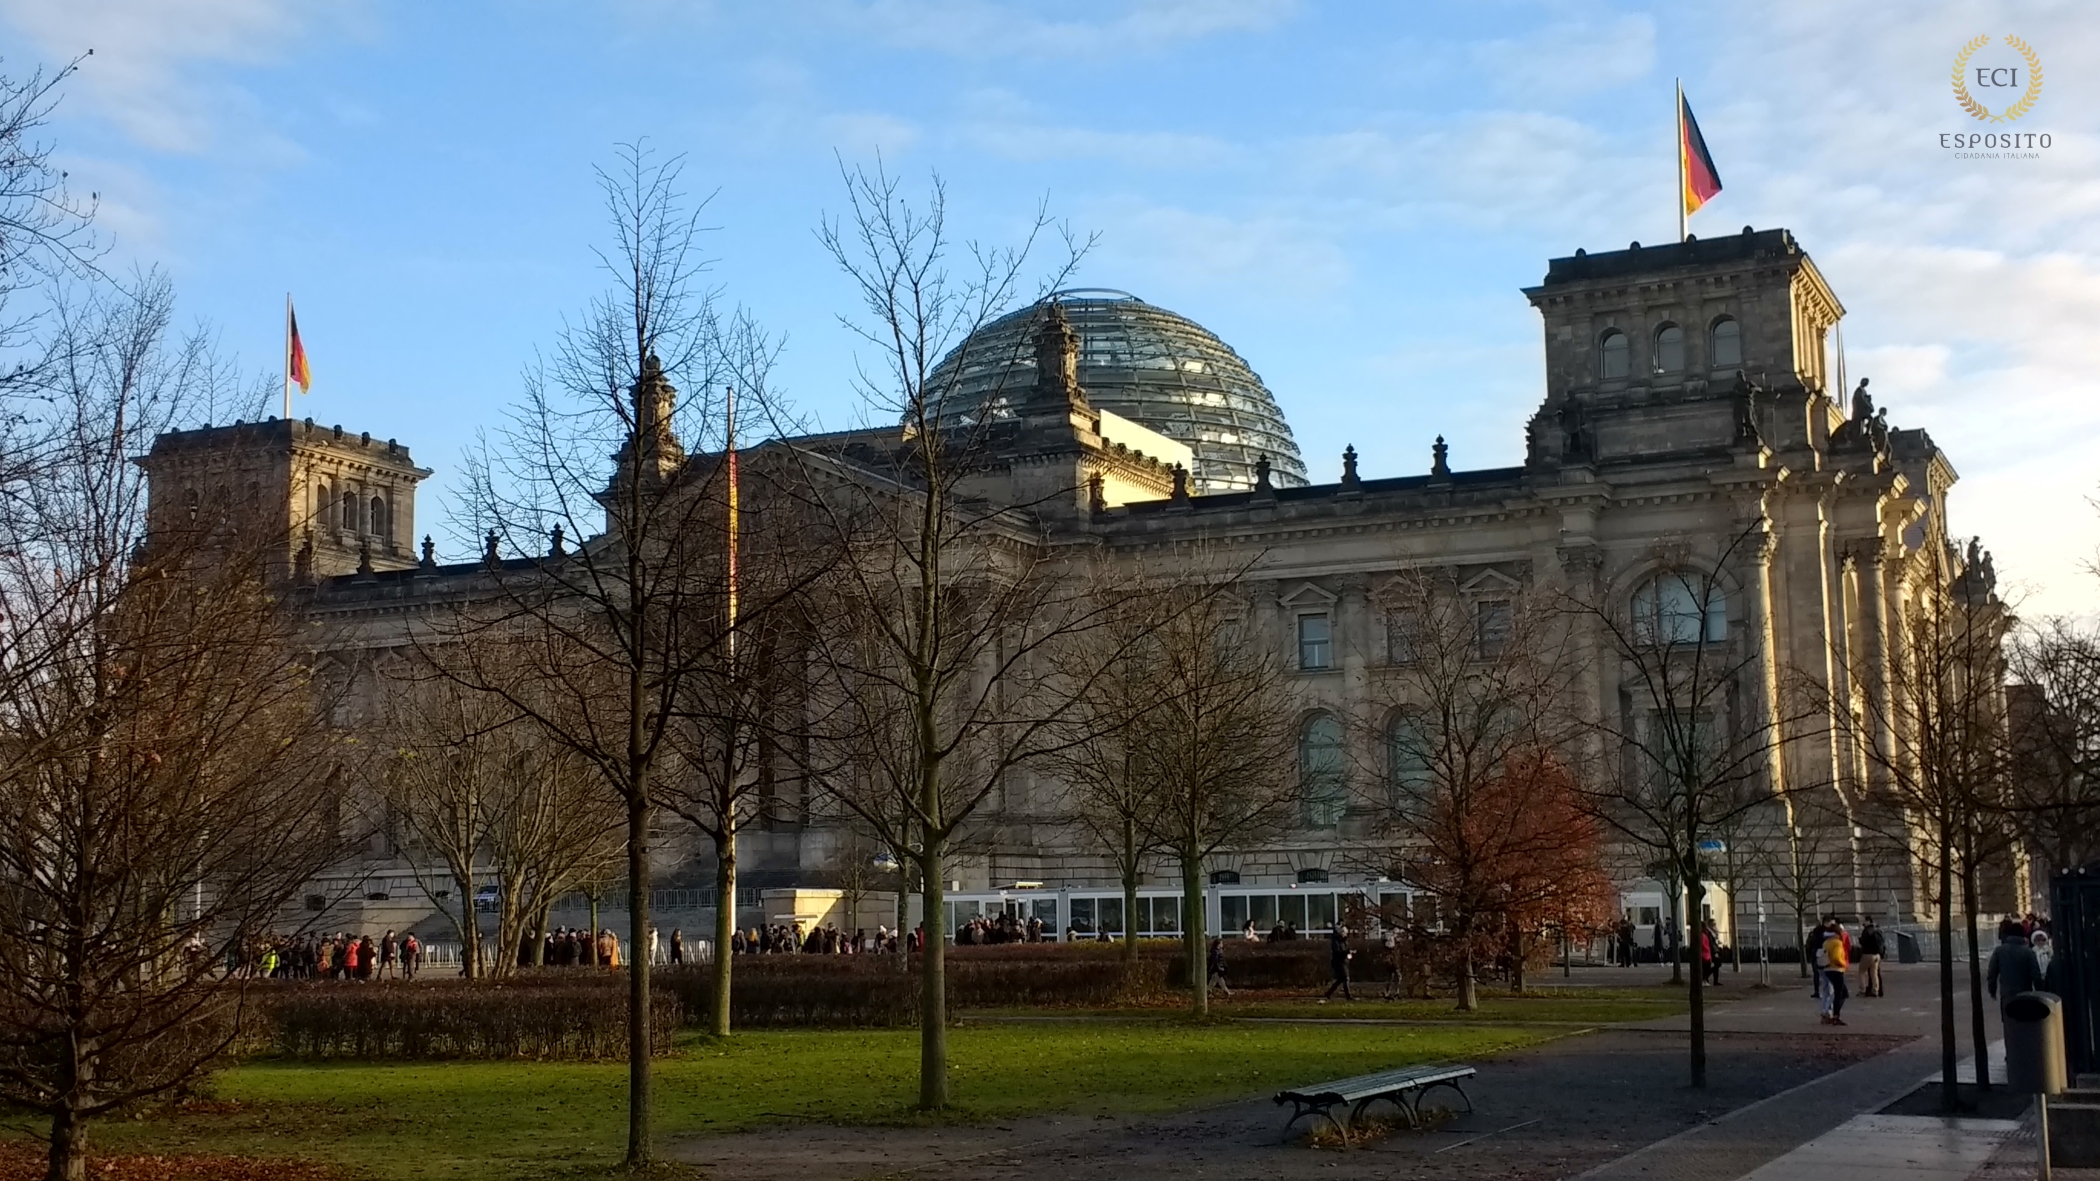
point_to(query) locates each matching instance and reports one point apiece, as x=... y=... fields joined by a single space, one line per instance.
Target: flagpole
x=1677 y=150
x=287 y=356
x=729 y=458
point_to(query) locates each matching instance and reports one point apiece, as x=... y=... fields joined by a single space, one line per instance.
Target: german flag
x=295 y=351
x=1695 y=165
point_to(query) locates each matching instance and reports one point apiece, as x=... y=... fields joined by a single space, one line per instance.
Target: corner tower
x=350 y=497
x=1661 y=350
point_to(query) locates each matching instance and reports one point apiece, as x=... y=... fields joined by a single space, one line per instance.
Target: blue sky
x=1349 y=194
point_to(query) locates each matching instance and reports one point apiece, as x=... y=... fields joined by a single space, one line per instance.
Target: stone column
x=1754 y=574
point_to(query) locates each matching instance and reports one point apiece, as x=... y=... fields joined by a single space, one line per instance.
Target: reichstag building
x=1689 y=402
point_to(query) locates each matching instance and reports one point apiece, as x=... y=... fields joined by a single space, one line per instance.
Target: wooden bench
x=1402 y=1088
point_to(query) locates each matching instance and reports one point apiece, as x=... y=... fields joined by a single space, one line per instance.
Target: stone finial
x=1096 y=493
x=364 y=558
x=429 y=561
x=491 y=553
x=1349 y=476
x=654 y=450
x=1261 y=475
x=1440 y=458
x=1057 y=360
x=303 y=561
x=555 y=549
x=1181 y=484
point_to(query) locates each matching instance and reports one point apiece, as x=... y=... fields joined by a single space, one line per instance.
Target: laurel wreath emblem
x=1978 y=110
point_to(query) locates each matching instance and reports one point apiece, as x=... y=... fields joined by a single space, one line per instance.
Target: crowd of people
x=574 y=947
x=791 y=939
x=340 y=956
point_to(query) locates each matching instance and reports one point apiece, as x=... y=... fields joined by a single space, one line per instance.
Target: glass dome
x=1145 y=363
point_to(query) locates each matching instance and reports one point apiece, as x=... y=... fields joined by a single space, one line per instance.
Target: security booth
x=2074 y=923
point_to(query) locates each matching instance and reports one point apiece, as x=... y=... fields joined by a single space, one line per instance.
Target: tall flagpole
x=287 y=356
x=1677 y=150
x=729 y=455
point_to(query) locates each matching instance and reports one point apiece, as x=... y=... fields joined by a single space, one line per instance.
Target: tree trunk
x=1192 y=925
x=1950 y=1097
x=1468 y=989
x=1696 y=894
x=1130 y=889
x=68 y=1159
x=725 y=925
x=1674 y=945
x=933 y=981
x=1977 y=1032
x=639 y=1148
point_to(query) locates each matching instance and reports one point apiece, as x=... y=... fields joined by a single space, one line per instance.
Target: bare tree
x=1112 y=796
x=163 y=749
x=1702 y=721
x=1470 y=705
x=742 y=705
x=1933 y=731
x=943 y=609
x=481 y=795
x=606 y=641
x=1181 y=741
x=2054 y=719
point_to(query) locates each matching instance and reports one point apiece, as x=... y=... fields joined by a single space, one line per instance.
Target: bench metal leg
x=1318 y=1111
x=1454 y=1085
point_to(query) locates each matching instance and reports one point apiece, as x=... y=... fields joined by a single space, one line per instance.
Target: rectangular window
x=1290 y=908
x=1650 y=915
x=1165 y=915
x=1315 y=642
x=1319 y=912
x=1400 y=638
x=1262 y=909
x=1109 y=915
x=1492 y=624
x=1083 y=915
x=1232 y=913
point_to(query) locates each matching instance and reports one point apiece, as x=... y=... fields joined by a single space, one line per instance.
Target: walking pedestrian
x=2014 y=968
x=1214 y=967
x=1836 y=955
x=411 y=956
x=1338 y=955
x=677 y=946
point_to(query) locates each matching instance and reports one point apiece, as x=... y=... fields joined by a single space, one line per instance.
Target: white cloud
x=1571 y=57
x=1266 y=255
x=865 y=134
x=152 y=70
x=990 y=28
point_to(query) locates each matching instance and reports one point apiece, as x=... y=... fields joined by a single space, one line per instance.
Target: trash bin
x=2034 y=1044
x=1907 y=950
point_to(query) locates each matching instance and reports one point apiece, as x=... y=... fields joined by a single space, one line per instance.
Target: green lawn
x=1564 y=1006
x=500 y=1120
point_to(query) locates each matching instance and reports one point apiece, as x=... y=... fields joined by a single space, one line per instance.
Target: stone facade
x=1690 y=420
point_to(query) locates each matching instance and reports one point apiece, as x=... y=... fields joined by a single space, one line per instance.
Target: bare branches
x=165 y=767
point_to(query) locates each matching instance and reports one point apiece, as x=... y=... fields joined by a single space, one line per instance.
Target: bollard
x=2034 y=1055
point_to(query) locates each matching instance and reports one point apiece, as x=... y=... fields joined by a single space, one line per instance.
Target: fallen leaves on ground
x=23 y=1161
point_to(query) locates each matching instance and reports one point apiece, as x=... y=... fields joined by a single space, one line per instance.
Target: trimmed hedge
x=576 y=1019
x=883 y=990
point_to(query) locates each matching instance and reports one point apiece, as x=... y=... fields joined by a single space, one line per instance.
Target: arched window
x=1407 y=765
x=1321 y=780
x=1669 y=349
x=350 y=511
x=1680 y=607
x=379 y=521
x=1727 y=351
x=1612 y=354
x=324 y=506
